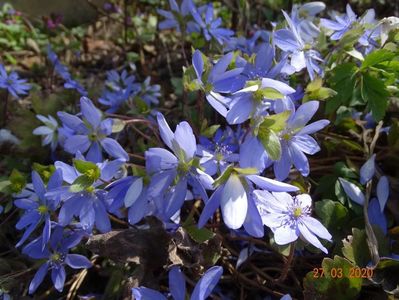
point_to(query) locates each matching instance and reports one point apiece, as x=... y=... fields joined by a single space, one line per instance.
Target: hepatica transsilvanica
x=269 y=131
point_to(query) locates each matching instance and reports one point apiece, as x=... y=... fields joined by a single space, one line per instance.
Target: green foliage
x=316 y=91
x=375 y=94
x=366 y=85
x=200 y=235
x=332 y=214
x=336 y=282
x=268 y=133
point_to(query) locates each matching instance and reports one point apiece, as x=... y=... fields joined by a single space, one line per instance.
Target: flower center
x=42 y=209
x=93 y=137
x=297 y=212
x=286 y=136
x=56 y=257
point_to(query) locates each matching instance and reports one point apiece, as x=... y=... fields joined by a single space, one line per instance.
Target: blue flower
x=250 y=45
x=295 y=140
x=56 y=256
x=11 y=82
x=180 y=167
x=210 y=26
x=91 y=133
x=217 y=154
x=263 y=66
x=119 y=88
x=289 y=217
x=251 y=101
x=72 y=84
x=177 y=286
x=149 y=93
x=87 y=202
x=63 y=72
x=344 y=23
x=218 y=80
x=49 y=131
x=38 y=207
x=130 y=192
x=341 y=25
x=177 y=17
x=235 y=198
x=300 y=50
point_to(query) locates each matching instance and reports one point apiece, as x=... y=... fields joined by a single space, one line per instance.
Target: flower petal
x=383 y=191
x=76 y=261
x=352 y=191
x=234 y=202
x=207 y=283
x=367 y=170
x=177 y=283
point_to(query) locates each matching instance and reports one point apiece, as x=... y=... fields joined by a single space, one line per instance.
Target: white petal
x=285 y=235
x=310 y=237
x=234 y=203
x=317 y=228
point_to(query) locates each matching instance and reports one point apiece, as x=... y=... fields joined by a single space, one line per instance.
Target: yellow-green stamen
x=297 y=212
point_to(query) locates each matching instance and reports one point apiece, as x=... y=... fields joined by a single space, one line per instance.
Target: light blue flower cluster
x=268 y=130
x=63 y=72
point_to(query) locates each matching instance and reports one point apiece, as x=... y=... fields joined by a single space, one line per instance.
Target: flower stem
x=287 y=265
x=5 y=112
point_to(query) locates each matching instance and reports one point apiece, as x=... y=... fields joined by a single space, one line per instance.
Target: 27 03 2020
x=354 y=272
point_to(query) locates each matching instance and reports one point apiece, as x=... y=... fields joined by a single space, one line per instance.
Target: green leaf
x=355 y=247
x=4 y=185
x=270 y=93
x=313 y=86
x=376 y=95
x=18 y=181
x=376 y=57
x=332 y=213
x=200 y=235
x=210 y=131
x=276 y=122
x=45 y=172
x=246 y=171
x=270 y=142
x=223 y=177
x=117 y=125
x=343 y=81
x=350 y=37
x=81 y=183
x=356 y=54
x=342 y=170
x=87 y=168
x=177 y=83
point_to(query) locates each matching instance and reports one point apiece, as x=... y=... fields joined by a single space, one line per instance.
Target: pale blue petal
x=272 y=185
x=207 y=283
x=210 y=207
x=383 y=191
x=165 y=131
x=91 y=113
x=352 y=191
x=367 y=170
